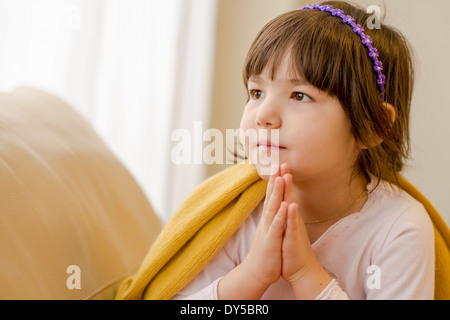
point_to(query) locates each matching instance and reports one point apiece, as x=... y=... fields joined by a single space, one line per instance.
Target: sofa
x=74 y=222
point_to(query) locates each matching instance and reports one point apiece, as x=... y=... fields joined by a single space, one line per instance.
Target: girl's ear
x=391 y=111
x=392 y=116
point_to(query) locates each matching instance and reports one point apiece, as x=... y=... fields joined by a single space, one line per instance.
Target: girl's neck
x=320 y=200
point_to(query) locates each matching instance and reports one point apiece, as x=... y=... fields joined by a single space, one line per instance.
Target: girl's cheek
x=243 y=136
x=246 y=120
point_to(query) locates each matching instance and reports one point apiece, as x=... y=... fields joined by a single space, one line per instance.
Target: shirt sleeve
x=332 y=292
x=204 y=286
x=207 y=293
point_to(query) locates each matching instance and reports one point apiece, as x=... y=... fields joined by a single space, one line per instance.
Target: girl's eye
x=298 y=96
x=256 y=94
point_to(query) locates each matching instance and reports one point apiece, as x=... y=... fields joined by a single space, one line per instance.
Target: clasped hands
x=281 y=246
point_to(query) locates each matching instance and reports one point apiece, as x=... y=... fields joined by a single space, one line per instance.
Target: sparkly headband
x=359 y=30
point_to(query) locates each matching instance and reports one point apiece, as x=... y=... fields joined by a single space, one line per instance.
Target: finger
x=275 y=199
x=289 y=194
x=292 y=218
x=295 y=228
x=273 y=203
x=275 y=173
x=279 y=222
x=271 y=184
x=291 y=233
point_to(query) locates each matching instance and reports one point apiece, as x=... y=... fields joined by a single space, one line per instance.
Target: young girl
x=332 y=223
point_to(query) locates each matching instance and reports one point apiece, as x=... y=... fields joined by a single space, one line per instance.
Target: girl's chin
x=265 y=171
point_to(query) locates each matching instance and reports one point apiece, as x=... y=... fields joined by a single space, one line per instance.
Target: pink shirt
x=385 y=251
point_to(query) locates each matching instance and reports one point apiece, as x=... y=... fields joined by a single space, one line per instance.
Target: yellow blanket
x=208 y=218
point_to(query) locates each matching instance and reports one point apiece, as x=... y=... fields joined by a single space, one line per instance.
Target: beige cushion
x=65 y=200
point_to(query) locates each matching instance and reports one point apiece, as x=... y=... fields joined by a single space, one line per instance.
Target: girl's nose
x=268 y=115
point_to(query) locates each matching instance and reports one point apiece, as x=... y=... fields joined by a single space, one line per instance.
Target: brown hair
x=330 y=56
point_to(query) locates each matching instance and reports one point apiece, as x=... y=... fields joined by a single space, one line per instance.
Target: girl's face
x=315 y=136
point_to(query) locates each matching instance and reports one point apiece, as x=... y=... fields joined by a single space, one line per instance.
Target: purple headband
x=359 y=30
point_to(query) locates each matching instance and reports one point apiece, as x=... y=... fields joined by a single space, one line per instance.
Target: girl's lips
x=270 y=148
x=271 y=151
x=269 y=145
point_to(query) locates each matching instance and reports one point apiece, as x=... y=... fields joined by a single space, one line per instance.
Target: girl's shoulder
x=392 y=199
x=393 y=211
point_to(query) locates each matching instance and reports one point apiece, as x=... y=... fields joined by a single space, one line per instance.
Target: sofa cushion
x=74 y=222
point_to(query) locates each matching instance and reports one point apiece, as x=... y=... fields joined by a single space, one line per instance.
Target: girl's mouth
x=269 y=145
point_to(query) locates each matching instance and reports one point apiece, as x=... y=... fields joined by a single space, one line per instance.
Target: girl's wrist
x=254 y=278
x=241 y=284
x=309 y=284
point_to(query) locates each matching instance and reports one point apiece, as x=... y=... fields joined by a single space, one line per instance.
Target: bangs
x=320 y=47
